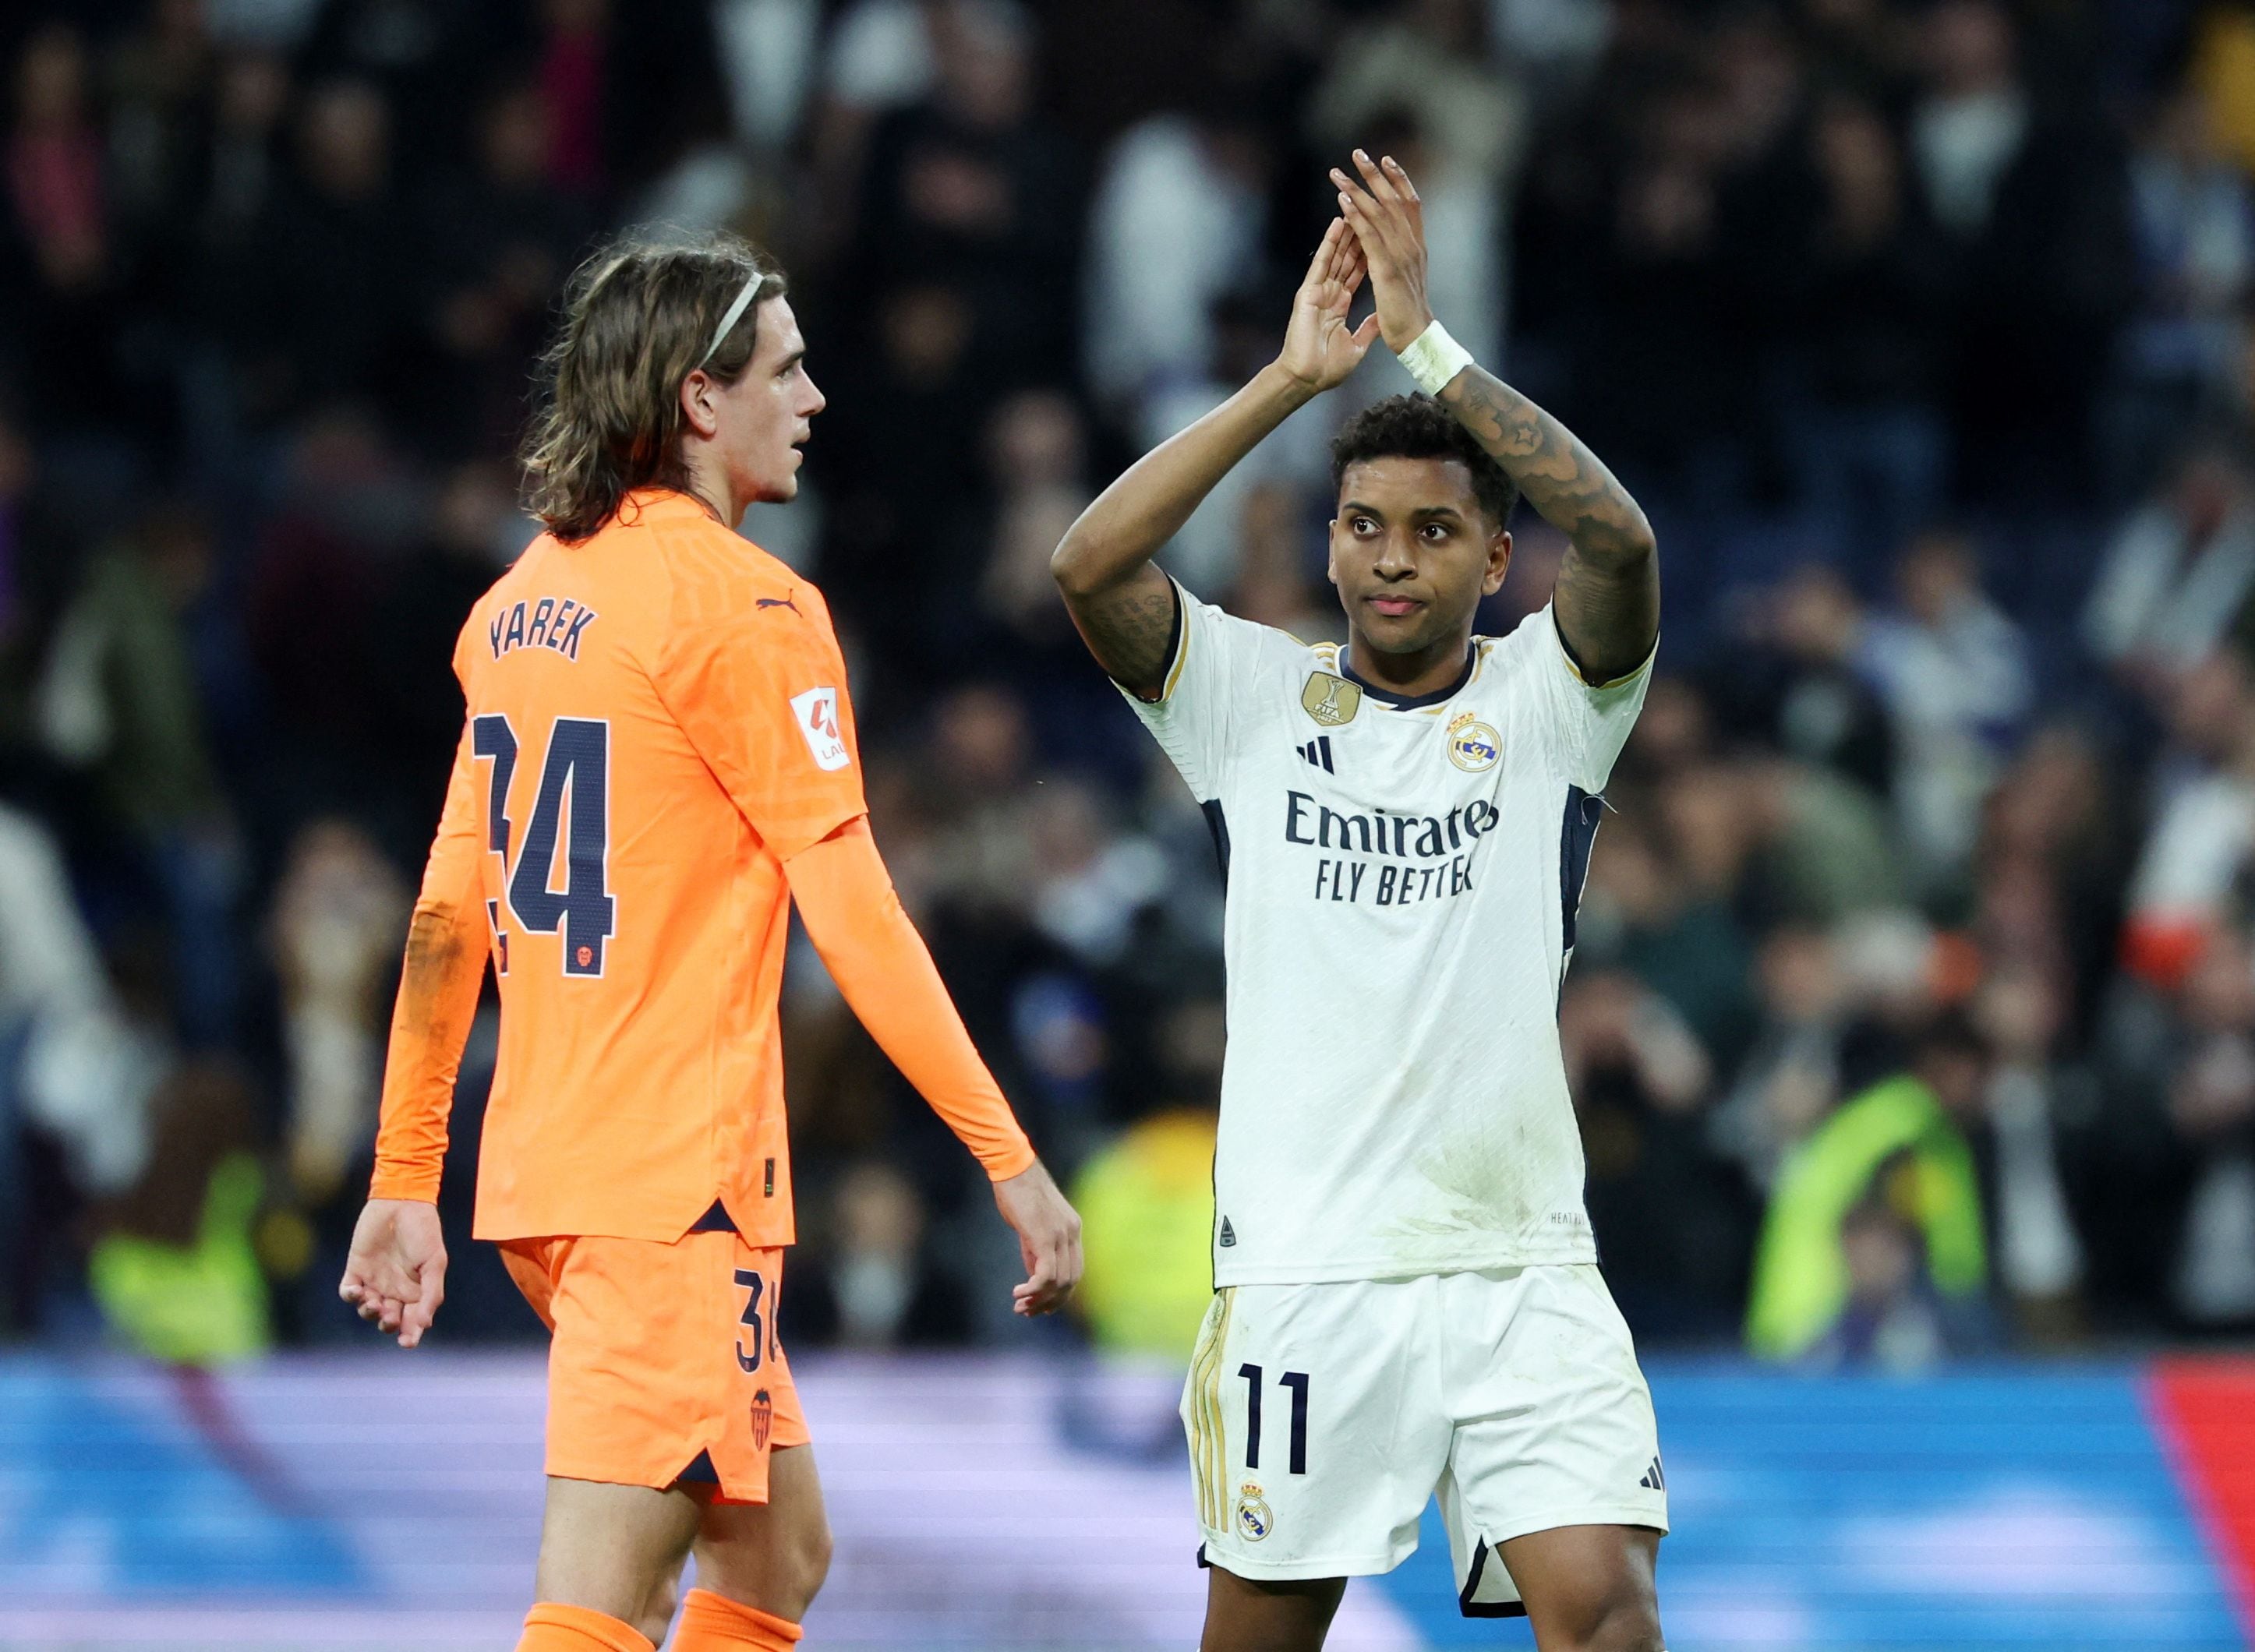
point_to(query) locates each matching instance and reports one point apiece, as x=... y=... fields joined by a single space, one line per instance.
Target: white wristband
x=1434 y=357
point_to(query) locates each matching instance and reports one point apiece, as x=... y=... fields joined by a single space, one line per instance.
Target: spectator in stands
x=38 y=552
x=1790 y=1077
x=2186 y=885
x=500 y=237
x=1867 y=439
x=2034 y=199
x=118 y=703
x=877 y=56
x=1673 y=883
x=1036 y=452
x=416 y=54
x=56 y=182
x=348 y=505
x=1215 y=551
x=245 y=156
x=160 y=78
x=59 y=269
x=2169 y=1205
x=1149 y=1279
x=340 y=916
x=970 y=186
x=2211 y=1108
x=1419 y=84
x=1179 y=218
x=1972 y=124
x=2053 y=831
x=899 y=467
x=1953 y=674
x=1675 y=1219
x=2178 y=571
x=1657 y=318
x=331 y=276
x=2194 y=220
x=72 y=1066
x=1874 y=1240
x=1090 y=880
x=1791 y=680
x=2021 y=1007
x=1822 y=848
x=869 y=1278
x=417 y=607
x=1893 y=1318
x=572 y=70
x=176 y=1269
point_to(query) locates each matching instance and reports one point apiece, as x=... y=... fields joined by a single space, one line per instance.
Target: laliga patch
x=816 y=711
x=1472 y=745
x=1254 y=1520
x=1329 y=700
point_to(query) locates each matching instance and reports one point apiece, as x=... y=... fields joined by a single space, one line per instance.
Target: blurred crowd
x=1914 y=1011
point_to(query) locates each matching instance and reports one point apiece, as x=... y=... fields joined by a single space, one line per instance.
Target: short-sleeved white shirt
x=1401 y=883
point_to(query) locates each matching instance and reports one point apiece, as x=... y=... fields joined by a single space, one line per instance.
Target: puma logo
x=778 y=602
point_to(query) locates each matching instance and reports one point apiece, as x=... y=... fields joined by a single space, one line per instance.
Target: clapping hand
x=1320 y=349
x=1388 y=221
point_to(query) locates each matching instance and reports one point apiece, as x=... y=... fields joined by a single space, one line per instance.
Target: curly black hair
x=1419 y=427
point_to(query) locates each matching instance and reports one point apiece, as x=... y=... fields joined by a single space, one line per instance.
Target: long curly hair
x=638 y=317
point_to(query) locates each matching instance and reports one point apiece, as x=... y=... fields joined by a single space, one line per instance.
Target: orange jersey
x=658 y=720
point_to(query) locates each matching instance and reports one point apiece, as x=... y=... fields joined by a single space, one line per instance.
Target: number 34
x=577 y=767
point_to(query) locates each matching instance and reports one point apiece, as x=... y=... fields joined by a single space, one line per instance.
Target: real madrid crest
x=1331 y=700
x=1472 y=745
x=1254 y=1520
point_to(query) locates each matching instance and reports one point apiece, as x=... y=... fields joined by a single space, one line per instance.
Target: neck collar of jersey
x=658 y=504
x=1411 y=702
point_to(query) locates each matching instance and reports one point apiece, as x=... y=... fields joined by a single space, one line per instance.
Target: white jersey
x=1402 y=881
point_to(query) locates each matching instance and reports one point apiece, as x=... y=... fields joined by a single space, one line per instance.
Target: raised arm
x=1124 y=607
x=1607 y=601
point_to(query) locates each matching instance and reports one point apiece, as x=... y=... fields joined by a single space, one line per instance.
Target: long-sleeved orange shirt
x=658 y=721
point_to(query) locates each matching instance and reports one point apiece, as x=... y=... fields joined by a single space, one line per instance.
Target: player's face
x=765 y=415
x=1412 y=552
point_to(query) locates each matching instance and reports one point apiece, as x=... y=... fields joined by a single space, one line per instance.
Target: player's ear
x=698 y=402
x=1331 y=552
x=1499 y=562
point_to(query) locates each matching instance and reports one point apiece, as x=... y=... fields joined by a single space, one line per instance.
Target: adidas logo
x=1654 y=1480
x=1317 y=752
x=1228 y=1233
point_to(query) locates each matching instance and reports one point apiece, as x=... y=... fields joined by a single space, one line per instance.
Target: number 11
x=1297 y=1382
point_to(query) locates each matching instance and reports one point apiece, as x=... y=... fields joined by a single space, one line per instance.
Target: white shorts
x=1322 y=1418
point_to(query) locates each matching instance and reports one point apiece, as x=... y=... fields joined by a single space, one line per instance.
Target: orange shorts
x=664 y=1366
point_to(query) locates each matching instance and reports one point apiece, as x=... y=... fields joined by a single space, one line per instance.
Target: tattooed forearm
x=1561 y=479
x=1608 y=596
x=1130 y=629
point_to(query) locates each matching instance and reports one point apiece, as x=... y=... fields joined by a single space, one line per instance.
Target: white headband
x=736 y=313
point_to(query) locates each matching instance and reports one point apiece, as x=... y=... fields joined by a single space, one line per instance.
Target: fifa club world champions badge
x=1331 y=700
